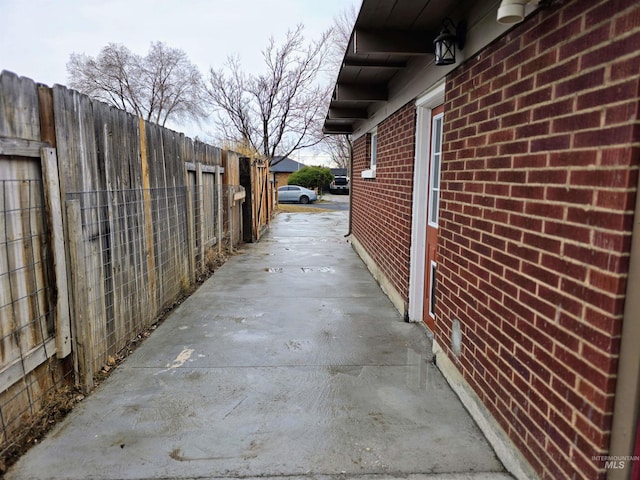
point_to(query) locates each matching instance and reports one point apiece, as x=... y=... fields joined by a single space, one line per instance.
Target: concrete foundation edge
x=379 y=276
x=506 y=451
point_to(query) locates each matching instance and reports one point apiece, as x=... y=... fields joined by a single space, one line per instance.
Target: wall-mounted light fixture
x=445 y=43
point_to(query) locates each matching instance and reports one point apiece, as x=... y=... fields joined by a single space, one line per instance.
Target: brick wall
x=538 y=188
x=382 y=206
x=282 y=178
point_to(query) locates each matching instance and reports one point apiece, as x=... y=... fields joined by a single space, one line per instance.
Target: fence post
x=190 y=224
x=81 y=326
x=231 y=204
x=220 y=211
x=148 y=220
x=51 y=183
x=200 y=211
x=247 y=206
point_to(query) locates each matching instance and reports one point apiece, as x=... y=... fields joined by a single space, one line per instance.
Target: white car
x=297 y=194
x=340 y=185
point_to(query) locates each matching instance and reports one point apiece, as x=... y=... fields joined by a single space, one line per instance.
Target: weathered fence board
x=81 y=327
x=76 y=143
x=149 y=296
x=20 y=148
x=237 y=223
x=118 y=149
x=53 y=204
x=19 y=112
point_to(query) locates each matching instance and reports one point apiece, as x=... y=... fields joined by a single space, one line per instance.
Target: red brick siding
x=382 y=206
x=538 y=188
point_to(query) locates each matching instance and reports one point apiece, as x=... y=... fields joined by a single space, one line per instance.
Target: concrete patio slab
x=288 y=362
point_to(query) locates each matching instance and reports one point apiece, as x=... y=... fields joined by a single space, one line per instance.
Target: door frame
x=424 y=107
x=625 y=426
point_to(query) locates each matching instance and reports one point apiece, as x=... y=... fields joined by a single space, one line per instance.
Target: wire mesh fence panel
x=210 y=209
x=206 y=221
x=28 y=370
x=227 y=193
x=198 y=215
x=134 y=262
x=232 y=198
x=24 y=263
x=170 y=243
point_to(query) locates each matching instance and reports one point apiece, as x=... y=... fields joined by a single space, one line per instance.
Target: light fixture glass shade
x=445 y=48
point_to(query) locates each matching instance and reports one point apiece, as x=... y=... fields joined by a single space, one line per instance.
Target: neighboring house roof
x=339 y=172
x=285 y=165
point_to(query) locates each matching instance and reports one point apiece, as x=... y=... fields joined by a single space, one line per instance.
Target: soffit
x=387 y=38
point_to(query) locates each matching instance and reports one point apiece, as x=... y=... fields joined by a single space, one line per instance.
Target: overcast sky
x=38 y=36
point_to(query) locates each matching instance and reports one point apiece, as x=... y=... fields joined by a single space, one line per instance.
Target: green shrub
x=311 y=177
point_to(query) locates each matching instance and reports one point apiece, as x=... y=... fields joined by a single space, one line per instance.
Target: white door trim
x=424 y=106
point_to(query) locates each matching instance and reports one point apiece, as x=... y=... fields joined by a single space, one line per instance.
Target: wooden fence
x=107 y=220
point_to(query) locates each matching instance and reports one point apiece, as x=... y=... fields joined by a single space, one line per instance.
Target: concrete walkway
x=288 y=362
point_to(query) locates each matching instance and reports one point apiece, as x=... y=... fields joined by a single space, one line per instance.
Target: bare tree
x=339 y=149
x=339 y=146
x=163 y=85
x=278 y=112
x=340 y=35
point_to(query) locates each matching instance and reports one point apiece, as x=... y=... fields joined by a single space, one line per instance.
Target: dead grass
x=56 y=404
x=292 y=208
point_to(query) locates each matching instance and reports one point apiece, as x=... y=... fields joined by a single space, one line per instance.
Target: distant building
x=282 y=168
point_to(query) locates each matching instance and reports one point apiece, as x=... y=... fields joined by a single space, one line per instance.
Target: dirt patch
x=57 y=403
